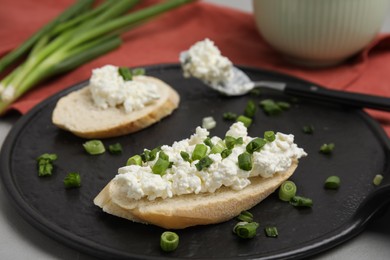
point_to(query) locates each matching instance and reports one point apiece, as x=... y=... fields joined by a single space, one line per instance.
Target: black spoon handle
x=339 y=97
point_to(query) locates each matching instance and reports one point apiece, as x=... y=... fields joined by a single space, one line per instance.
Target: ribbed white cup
x=319 y=32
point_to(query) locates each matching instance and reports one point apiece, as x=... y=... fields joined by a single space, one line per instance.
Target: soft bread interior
x=192 y=209
x=77 y=113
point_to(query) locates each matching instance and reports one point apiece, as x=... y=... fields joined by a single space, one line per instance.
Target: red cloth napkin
x=161 y=40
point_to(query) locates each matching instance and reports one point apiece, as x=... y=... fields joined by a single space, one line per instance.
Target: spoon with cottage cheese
x=204 y=61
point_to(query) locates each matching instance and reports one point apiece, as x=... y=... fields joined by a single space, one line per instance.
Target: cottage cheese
x=109 y=89
x=184 y=178
x=205 y=62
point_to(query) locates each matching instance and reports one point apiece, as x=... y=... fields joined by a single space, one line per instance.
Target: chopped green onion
x=205 y=162
x=225 y=153
x=245 y=216
x=308 y=129
x=230 y=141
x=287 y=190
x=208 y=142
x=163 y=156
x=209 y=123
x=283 y=105
x=229 y=116
x=245 y=161
x=270 y=107
x=332 y=182
x=269 y=136
x=169 y=241
x=271 y=231
x=134 y=160
x=218 y=147
x=138 y=71
x=72 y=180
x=185 y=156
x=125 y=73
x=245 y=230
x=160 y=166
x=255 y=145
x=146 y=156
x=94 y=147
x=255 y=92
x=299 y=201
x=250 y=109
x=245 y=120
x=377 y=179
x=45 y=164
x=115 y=148
x=199 y=152
x=327 y=148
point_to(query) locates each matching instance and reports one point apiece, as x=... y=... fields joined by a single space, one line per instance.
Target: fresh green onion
x=246 y=230
x=45 y=164
x=255 y=145
x=327 y=148
x=245 y=161
x=125 y=73
x=229 y=116
x=332 y=182
x=271 y=231
x=377 y=179
x=287 y=190
x=245 y=216
x=160 y=166
x=230 y=141
x=138 y=71
x=185 y=156
x=270 y=107
x=199 y=152
x=209 y=123
x=298 y=201
x=208 y=142
x=308 y=129
x=134 y=160
x=115 y=148
x=205 y=162
x=245 y=120
x=163 y=156
x=219 y=147
x=250 y=109
x=72 y=180
x=269 y=136
x=225 y=153
x=94 y=147
x=169 y=241
x=153 y=153
x=146 y=155
x=283 y=105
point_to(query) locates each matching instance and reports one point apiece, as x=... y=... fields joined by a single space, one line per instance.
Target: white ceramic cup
x=319 y=33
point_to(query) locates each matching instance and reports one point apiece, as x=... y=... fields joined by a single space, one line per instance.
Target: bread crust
x=77 y=113
x=193 y=209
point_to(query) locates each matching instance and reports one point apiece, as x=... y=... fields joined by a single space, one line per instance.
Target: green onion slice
x=161 y=166
x=72 y=180
x=250 y=109
x=205 y=162
x=332 y=182
x=225 y=153
x=185 y=156
x=219 y=147
x=377 y=179
x=246 y=230
x=134 y=160
x=229 y=116
x=245 y=161
x=115 y=148
x=299 y=201
x=169 y=241
x=208 y=142
x=245 y=120
x=327 y=148
x=271 y=231
x=45 y=164
x=255 y=145
x=94 y=147
x=245 y=216
x=138 y=72
x=199 y=152
x=287 y=190
x=269 y=136
x=125 y=73
x=308 y=129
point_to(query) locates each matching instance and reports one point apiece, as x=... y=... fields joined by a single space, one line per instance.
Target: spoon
x=240 y=84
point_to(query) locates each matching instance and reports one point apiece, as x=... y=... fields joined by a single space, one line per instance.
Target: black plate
x=362 y=151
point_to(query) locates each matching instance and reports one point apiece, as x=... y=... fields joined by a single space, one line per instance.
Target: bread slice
x=193 y=209
x=77 y=113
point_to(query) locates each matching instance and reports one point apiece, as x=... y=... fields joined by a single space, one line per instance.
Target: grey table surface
x=20 y=240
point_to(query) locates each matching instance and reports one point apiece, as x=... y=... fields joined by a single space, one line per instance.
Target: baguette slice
x=77 y=113
x=192 y=209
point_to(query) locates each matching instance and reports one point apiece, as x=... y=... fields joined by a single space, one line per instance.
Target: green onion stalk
x=78 y=35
